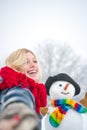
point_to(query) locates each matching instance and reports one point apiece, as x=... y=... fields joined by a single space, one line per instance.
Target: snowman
x=64 y=113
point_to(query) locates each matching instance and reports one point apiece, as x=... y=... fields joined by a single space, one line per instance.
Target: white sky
x=24 y=23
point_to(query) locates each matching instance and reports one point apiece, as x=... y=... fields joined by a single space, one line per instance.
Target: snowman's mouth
x=65 y=93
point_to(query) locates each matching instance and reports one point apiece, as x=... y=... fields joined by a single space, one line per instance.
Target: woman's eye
x=35 y=61
x=60 y=85
x=27 y=62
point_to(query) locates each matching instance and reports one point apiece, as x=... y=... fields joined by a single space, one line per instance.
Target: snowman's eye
x=60 y=85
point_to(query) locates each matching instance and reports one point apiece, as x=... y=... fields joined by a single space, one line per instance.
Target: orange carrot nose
x=65 y=88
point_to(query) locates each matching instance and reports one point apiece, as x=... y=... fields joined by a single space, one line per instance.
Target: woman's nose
x=31 y=64
x=66 y=86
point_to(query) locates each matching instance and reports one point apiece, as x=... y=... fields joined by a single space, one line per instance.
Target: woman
x=19 y=81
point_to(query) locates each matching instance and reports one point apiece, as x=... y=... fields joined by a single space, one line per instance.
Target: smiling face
x=24 y=60
x=61 y=89
x=31 y=67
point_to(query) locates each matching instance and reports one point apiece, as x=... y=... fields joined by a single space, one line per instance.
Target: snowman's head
x=61 y=86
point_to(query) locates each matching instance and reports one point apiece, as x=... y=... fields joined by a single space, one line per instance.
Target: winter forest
x=56 y=30
x=59 y=57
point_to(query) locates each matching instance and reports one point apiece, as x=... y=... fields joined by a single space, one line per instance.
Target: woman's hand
x=8 y=124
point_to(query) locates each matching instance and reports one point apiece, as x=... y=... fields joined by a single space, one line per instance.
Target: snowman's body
x=72 y=121
x=63 y=86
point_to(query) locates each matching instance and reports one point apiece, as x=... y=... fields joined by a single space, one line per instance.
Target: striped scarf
x=63 y=105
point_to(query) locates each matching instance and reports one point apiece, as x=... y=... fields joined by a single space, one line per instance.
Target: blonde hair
x=17 y=58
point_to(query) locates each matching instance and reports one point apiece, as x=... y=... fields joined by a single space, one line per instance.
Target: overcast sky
x=24 y=23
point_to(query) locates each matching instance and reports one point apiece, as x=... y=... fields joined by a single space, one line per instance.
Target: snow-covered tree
x=56 y=57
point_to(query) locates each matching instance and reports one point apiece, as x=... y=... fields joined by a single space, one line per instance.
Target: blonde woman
x=19 y=81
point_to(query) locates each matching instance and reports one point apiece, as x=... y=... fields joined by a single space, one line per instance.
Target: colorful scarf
x=63 y=105
x=11 y=78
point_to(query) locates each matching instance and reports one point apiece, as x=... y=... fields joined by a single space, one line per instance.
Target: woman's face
x=31 y=67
